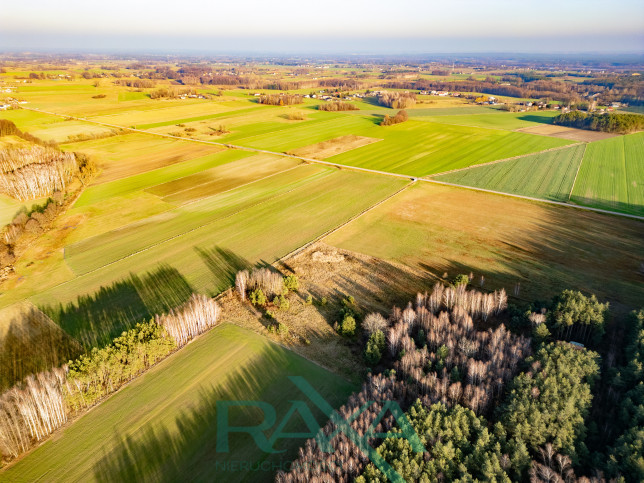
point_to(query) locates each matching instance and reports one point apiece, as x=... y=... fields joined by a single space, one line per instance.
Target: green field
x=162 y=426
x=422 y=148
x=612 y=175
x=110 y=281
x=493 y=119
x=549 y=176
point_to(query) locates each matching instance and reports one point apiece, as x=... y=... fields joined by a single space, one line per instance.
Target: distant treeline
x=338 y=106
x=137 y=83
x=280 y=99
x=609 y=122
x=397 y=100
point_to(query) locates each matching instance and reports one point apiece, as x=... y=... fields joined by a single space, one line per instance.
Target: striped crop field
x=612 y=175
x=548 y=175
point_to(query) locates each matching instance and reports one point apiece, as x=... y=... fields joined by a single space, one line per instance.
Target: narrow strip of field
x=334 y=146
x=221 y=178
x=163 y=425
x=121 y=187
x=612 y=175
x=548 y=175
x=131 y=154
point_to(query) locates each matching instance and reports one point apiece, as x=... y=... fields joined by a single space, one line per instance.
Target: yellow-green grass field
x=490 y=118
x=545 y=248
x=130 y=154
x=163 y=425
x=612 y=175
x=120 y=187
x=548 y=175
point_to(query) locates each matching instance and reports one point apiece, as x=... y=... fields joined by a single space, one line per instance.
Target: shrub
x=375 y=347
x=309 y=300
x=257 y=297
x=282 y=329
x=291 y=283
x=281 y=302
x=461 y=279
x=348 y=326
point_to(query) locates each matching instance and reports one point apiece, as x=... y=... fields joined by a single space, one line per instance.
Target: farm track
x=354 y=168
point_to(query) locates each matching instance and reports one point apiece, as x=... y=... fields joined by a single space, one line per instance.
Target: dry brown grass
x=567 y=133
x=329 y=148
x=331 y=273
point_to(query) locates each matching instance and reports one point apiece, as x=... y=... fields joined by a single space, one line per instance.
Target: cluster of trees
x=625 y=454
x=608 y=122
x=31 y=223
x=196 y=316
x=338 y=106
x=575 y=316
x=280 y=99
x=31 y=412
x=549 y=402
x=8 y=128
x=29 y=173
x=536 y=432
x=401 y=116
x=136 y=83
x=34 y=409
x=171 y=92
x=397 y=100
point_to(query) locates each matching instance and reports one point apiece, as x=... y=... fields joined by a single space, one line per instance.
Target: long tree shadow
x=95 y=319
x=33 y=343
x=187 y=450
x=223 y=264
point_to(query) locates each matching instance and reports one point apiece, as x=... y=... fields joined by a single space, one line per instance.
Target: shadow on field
x=189 y=452
x=223 y=264
x=633 y=209
x=533 y=118
x=94 y=320
x=33 y=343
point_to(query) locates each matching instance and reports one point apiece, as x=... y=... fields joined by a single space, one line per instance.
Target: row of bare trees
x=338 y=106
x=397 y=100
x=346 y=461
x=32 y=410
x=268 y=281
x=31 y=413
x=280 y=99
x=196 y=316
x=35 y=172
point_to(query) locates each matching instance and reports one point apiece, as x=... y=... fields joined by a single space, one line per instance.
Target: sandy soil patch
x=329 y=148
x=567 y=133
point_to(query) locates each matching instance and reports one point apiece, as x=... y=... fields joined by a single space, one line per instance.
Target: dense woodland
x=488 y=403
x=608 y=122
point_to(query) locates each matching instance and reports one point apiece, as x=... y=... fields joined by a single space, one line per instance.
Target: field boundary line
x=373 y=171
x=540 y=200
x=501 y=160
x=577 y=173
x=342 y=225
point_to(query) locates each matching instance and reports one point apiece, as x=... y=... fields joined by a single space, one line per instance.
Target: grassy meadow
x=163 y=425
x=507 y=240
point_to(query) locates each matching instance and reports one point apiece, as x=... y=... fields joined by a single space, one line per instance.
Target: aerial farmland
x=183 y=234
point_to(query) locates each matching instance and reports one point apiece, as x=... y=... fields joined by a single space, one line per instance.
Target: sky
x=329 y=26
